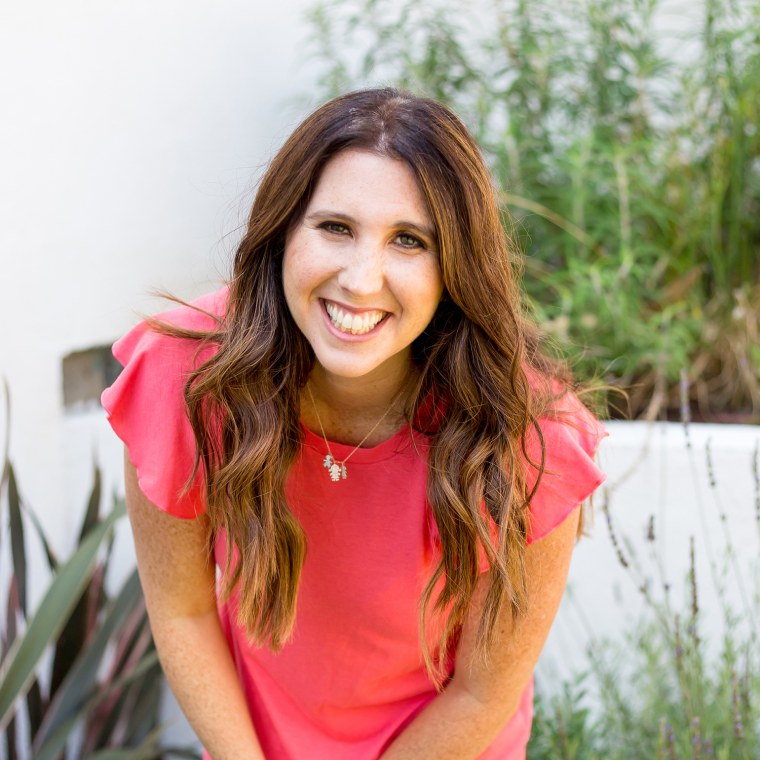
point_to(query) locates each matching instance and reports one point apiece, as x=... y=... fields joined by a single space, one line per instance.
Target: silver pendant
x=335 y=469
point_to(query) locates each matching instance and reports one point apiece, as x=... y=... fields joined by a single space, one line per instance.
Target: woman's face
x=360 y=271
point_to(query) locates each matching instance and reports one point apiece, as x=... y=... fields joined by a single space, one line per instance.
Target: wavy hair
x=480 y=359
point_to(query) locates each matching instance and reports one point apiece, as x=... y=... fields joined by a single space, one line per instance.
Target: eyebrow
x=401 y=223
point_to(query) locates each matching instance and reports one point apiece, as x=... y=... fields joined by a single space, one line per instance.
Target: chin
x=354 y=366
x=347 y=370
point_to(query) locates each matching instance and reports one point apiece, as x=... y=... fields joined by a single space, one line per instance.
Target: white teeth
x=356 y=324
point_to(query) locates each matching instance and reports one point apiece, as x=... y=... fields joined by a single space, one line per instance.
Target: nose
x=362 y=271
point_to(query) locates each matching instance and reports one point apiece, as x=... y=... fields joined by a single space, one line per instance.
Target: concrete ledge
x=661 y=487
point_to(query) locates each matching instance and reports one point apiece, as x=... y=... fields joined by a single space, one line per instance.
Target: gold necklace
x=335 y=469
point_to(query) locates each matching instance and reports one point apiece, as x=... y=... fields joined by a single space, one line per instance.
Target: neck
x=350 y=395
x=349 y=407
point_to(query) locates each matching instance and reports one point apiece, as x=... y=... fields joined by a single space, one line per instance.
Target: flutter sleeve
x=146 y=407
x=570 y=476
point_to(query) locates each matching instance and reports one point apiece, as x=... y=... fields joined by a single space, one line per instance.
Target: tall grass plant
x=684 y=681
x=623 y=136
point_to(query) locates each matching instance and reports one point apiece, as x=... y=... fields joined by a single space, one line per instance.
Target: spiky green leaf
x=18 y=549
x=52 y=560
x=80 y=681
x=57 y=739
x=51 y=615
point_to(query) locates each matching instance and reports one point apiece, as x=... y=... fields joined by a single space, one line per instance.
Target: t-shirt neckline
x=397 y=442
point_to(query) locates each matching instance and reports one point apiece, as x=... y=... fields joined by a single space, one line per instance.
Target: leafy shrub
x=80 y=677
x=669 y=689
x=628 y=156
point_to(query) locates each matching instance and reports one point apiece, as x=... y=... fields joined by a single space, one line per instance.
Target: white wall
x=130 y=136
x=686 y=489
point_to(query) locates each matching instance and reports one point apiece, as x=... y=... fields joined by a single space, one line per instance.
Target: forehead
x=363 y=180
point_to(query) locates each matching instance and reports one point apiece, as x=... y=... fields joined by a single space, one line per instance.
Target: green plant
x=563 y=726
x=679 y=685
x=631 y=167
x=80 y=677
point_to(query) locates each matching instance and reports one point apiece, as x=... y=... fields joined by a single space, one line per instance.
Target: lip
x=351 y=337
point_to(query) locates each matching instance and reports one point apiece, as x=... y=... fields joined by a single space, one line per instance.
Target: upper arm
x=173 y=556
x=517 y=642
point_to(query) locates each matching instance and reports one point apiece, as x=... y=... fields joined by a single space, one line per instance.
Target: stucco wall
x=131 y=137
x=701 y=484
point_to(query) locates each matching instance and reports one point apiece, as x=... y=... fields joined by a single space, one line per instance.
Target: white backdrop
x=131 y=134
x=130 y=138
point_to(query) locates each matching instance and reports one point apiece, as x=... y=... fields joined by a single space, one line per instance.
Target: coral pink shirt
x=352 y=676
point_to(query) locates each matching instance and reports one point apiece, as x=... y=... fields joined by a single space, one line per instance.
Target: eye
x=336 y=228
x=405 y=240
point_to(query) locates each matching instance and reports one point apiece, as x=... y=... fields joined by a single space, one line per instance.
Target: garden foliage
x=684 y=684
x=79 y=677
x=623 y=136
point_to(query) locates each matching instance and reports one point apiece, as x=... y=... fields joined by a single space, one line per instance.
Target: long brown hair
x=474 y=359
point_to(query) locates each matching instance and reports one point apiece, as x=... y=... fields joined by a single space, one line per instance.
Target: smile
x=354 y=323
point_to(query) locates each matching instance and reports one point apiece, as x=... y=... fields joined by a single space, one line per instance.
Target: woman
x=362 y=436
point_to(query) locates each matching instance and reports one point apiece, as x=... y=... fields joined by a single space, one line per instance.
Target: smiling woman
x=364 y=262
x=393 y=606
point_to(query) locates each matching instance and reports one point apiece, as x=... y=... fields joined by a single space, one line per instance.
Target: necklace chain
x=335 y=469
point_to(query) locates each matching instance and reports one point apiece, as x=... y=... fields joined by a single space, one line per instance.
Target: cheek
x=430 y=296
x=287 y=279
x=295 y=270
x=293 y=285
x=305 y=265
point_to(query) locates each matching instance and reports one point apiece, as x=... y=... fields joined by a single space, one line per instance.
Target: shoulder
x=200 y=315
x=561 y=462
x=568 y=421
x=146 y=403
